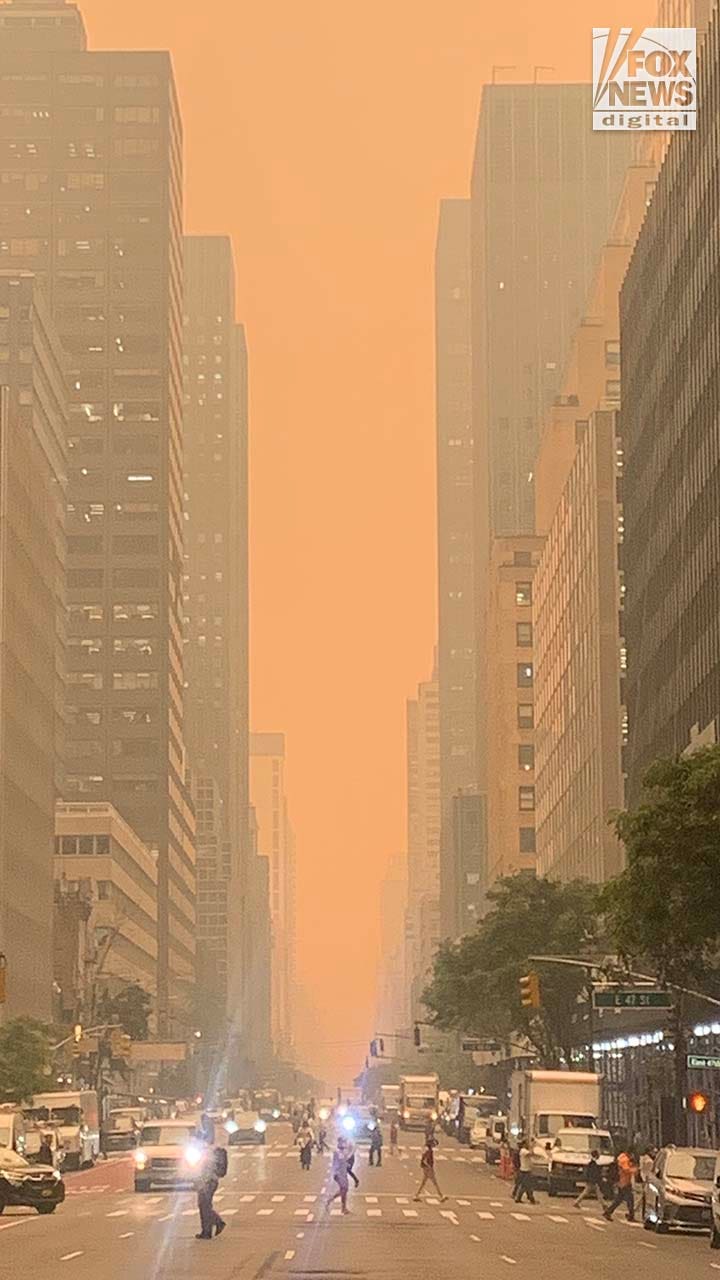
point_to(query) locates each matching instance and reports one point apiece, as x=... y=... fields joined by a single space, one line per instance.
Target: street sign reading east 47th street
x=706 y=1062
x=630 y=998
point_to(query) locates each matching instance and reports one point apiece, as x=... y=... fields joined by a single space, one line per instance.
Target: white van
x=75 y=1113
x=12 y=1129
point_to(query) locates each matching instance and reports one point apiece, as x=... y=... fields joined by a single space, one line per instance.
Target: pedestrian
x=304 y=1142
x=322 y=1139
x=350 y=1161
x=647 y=1160
x=394 y=1134
x=427 y=1165
x=506 y=1170
x=515 y=1170
x=206 y=1183
x=624 y=1194
x=45 y=1151
x=339 y=1174
x=525 y=1181
x=206 y=1129
x=593 y=1181
x=376 y=1146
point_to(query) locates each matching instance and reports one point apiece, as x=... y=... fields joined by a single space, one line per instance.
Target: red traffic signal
x=698 y=1102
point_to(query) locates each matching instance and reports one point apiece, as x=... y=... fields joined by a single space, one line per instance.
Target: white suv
x=679 y=1189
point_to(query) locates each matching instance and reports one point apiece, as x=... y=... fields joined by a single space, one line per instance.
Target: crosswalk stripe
x=485 y=1216
x=278 y=1199
x=410 y=1213
x=520 y=1217
x=555 y=1217
x=374 y=1213
x=264 y=1213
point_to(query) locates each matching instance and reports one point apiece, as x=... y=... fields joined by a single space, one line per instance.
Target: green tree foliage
x=24 y=1059
x=475 y=984
x=130 y=1007
x=664 y=909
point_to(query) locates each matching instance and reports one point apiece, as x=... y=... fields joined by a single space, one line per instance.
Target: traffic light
x=416 y=1036
x=530 y=991
x=120 y=1043
x=698 y=1102
x=77 y=1032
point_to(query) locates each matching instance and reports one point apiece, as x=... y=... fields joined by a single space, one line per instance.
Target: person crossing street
x=427 y=1165
x=525 y=1181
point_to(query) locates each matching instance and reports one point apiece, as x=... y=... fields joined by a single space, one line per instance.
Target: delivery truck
x=544 y=1102
x=419 y=1106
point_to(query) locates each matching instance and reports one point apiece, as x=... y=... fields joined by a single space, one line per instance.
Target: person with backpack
x=213 y=1166
x=593 y=1189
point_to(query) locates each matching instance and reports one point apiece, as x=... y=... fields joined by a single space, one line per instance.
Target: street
x=277 y=1227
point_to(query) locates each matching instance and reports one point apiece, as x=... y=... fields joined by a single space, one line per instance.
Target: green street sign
x=704 y=1061
x=630 y=998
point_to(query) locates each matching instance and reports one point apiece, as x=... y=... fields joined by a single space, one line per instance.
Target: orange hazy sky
x=321 y=134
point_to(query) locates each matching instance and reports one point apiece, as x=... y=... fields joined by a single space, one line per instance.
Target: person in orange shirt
x=625 y=1192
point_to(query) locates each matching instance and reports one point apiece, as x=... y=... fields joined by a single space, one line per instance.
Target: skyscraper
x=276 y=842
x=544 y=190
x=669 y=306
x=215 y=593
x=33 y=428
x=422 y=920
x=91 y=182
x=455 y=531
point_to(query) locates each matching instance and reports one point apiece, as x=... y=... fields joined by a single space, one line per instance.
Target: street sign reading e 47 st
x=630 y=998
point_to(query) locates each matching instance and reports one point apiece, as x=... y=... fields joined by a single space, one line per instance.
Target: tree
x=24 y=1059
x=130 y=1007
x=475 y=985
x=663 y=911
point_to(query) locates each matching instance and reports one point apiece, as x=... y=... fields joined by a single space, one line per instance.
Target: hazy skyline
x=322 y=138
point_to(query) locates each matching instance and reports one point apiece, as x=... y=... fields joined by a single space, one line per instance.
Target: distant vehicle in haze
x=25 y=1185
x=466 y=1108
x=167 y=1155
x=359 y=1124
x=244 y=1127
x=419 y=1105
x=76 y=1115
x=496 y=1133
x=390 y=1100
x=268 y=1104
x=120 y=1133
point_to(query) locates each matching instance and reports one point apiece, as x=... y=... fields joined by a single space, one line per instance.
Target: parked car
x=479 y=1132
x=680 y=1188
x=33 y=1186
x=167 y=1154
x=495 y=1135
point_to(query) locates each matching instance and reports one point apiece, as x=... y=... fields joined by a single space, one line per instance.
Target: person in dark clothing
x=427 y=1167
x=45 y=1152
x=625 y=1193
x=206 y=1184
x=350 y=1152
x=593 y=1189
x=376 y=1146
x=206 y=1128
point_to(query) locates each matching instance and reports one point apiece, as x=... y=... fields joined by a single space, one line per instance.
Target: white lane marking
x=401 y=1200
x=117 y=1213
x=301 y=1213
x=335 y=1213
x=452 y=1217
x=371 y=1199
x=290 y=1155
x=289 y=1255
x=410 y=1213
x=555 y=1217
x=464 y=1203
x=300 y=1235
x=476 y=1239
x=247 y=1199
x=485 y=1216
x=165 y=1218
x=126 y=1235
x=229 y=1212
x=68 y=1256
x=309 y=1199
x=496 y=1204
x=188 y=1213
x=512 y=1261
x=596 y=1226
x=278 y=1199
x=278 y=1154
x=433 y=1200
x=374 y=1213
x=520 y=1217
x=19 y=1222
x=264 y=1213
x=153 y=1199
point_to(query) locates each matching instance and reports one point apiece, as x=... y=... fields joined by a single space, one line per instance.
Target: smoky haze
x=322 y=138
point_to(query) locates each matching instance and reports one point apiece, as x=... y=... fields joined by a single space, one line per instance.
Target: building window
x=527 y=840
x=612 y=389
x=526 y=715
x=612 y=351
x=103 y=890
x=526 y=756
x=523 y=592
x=526 y=799
x=524 y=675
x=523 y=634
x=522 y=557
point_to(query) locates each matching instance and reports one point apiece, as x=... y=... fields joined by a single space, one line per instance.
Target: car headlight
x=193 y=1156
x=140 y=1159
x=260 y=1126
x=231 y=1126
x=56 y=1175
x=348 y=1123
x=276 y=1114
x=342 y=1110
x=406 y=1115
x=324 y=1114
x=433 y=1115
x=372 y=1125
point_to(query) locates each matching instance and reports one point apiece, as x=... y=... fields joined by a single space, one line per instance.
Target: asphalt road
x=277 y=1227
